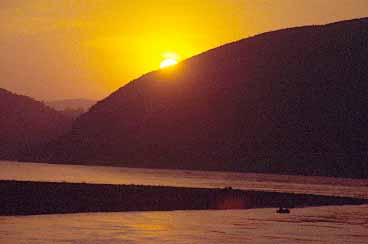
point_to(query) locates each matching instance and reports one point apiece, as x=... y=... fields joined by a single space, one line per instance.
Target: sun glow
x=168 y=62
x=169 y=59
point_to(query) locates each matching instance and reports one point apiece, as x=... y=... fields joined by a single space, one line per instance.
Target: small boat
x=283 y=210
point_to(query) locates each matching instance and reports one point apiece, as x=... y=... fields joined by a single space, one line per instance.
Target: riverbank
x=28 y=198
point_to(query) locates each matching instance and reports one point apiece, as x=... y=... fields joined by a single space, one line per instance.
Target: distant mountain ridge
x=72 y=107
x=79 y=103
x=26 y=125
x=290 y=101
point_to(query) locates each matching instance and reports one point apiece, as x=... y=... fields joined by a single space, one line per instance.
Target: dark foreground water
x=340 y=224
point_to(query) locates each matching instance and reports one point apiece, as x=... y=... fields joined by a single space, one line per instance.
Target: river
x=333 y=224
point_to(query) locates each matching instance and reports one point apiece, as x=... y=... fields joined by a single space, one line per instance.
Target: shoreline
x=225 y=170
x=34 y=198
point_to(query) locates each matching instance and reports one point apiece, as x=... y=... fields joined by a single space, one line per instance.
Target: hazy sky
x=53 y=49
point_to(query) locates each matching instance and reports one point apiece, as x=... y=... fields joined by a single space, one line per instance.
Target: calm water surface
x=335 y=225
x=340 y=224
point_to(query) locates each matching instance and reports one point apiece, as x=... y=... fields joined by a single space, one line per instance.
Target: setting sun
x=142 y=120
x=168 y=62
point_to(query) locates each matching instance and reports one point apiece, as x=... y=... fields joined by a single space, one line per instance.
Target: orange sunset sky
x=56 y=49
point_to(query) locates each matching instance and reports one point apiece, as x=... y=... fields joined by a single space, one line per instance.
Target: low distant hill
x=26 y=125
x=72 y=107
x=290 y=101
x=81 y=103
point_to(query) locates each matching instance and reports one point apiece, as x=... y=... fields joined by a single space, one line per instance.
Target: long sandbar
x=28 y=198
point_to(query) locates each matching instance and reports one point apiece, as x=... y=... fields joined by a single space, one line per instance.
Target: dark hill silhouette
x=289 y=101
x=26 y=124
